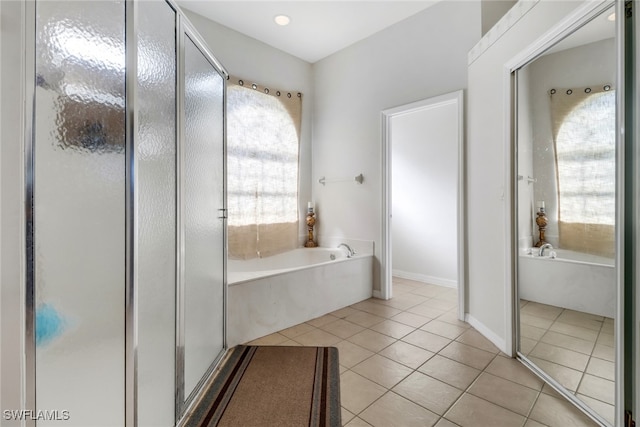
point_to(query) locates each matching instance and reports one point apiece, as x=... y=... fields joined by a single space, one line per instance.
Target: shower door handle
x=223 y=213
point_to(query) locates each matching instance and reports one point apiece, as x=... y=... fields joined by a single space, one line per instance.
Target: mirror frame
x=567 y=26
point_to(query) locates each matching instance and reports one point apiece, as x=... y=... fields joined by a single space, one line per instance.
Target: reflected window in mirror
x=584 y=136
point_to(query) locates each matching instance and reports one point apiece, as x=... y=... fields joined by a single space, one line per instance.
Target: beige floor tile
x=608 y=328
x=513 y=370
x=357 y=392
x=341 y=328
x=467 y=355
x=604 y=352
x=584 y=320
x=475 y=339
x=561 y=356
x=449 y=371
x=430 y=291
x=472 y=411
x=346 y=416
x=377 y=309
x=452 y=317
x=350 y=354
x=531 y=332
x=439 y=398
x=364 y=319
x=427 y=340
x=601 y=368
x=606 y=411
x=317 y=338
x=404 y=301
x=568 y=342
x=606 y=339
x=542 y=310
x=569 y=378
x=445 y=423
x=526 y=345
x=444 y=329
x=407 y=354
x=344 y=312
x=393 y=329
x=393 y=410
x=555 y=412
x=383 y=371
x=296 y=330
x=532 y=423
x=273 y=339
x=322 y=320
x=372 y=340
x=358 y=422
x=538 y=322
x=426 y=311
x=575 y=331
x=411 y=319
x=598 y=388
x=515 y=397
x=440 y=304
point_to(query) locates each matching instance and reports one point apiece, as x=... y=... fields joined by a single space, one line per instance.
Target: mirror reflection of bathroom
x=566 y=213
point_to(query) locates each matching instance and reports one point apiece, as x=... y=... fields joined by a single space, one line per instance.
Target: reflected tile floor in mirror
x=575 y=348
x=409 y=362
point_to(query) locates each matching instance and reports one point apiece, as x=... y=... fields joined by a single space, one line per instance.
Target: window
x=585 y=157
x=262 y=162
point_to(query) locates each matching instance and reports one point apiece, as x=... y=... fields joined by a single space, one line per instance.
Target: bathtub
x=572 y=280
x=266 y=295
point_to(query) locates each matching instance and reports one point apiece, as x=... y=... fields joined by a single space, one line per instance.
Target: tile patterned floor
x=575 y=348
x=410 y=362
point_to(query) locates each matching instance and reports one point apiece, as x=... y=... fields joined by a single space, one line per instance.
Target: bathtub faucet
x=543 y=247
x=350 y=252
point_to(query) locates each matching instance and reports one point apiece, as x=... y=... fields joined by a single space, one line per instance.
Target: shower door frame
x=185 y=29
x=26 y=366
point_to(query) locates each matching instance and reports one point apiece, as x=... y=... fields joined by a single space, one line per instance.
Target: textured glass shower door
x=203 y=255
x=79 y=213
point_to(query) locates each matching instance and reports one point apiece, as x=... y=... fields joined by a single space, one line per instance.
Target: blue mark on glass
x=49 y=324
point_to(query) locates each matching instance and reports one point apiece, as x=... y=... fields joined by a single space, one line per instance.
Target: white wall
x=245 y=57
x=420 y=57
x=424 y=158
x=488 y=222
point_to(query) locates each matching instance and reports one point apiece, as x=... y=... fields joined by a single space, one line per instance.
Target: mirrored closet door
x=566 y=200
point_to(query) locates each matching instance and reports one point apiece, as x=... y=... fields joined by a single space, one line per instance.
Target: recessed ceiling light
x=612 y=17
x=282 y=20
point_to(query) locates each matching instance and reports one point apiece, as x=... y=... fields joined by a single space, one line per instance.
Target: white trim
x=377 y=294
x=500 y=28
x=386 y=288
x=488 y=334
x=440 y=281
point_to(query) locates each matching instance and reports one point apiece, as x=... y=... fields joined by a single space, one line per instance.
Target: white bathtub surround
x=292 y=288
x=573 y=280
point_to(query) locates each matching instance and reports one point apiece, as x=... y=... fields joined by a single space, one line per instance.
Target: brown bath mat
x=273 y=386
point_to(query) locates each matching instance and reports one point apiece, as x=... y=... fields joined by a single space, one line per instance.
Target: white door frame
x=457 y=98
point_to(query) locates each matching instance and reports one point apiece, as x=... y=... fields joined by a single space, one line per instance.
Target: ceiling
x=317 y=29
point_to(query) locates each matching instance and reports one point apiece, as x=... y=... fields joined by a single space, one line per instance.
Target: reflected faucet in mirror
x=543 y=247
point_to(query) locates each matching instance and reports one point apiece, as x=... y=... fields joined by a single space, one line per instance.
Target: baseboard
x=487 y=333
x=426 y=279
x=377 y=294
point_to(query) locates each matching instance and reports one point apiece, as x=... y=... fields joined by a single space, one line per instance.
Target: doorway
x=423 y=194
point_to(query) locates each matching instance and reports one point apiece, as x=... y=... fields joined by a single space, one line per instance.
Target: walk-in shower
x=124 y=285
